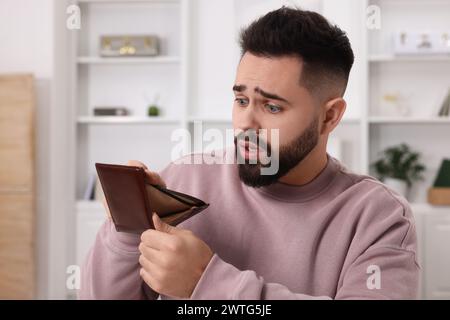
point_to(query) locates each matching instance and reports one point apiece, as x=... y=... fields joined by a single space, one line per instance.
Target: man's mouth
x=248 y=150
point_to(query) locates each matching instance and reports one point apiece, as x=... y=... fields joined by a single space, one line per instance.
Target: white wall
x=26 y=37
x=215 y=47
x=27 y=46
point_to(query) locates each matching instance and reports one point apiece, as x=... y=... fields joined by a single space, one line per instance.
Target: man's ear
x=333 y=110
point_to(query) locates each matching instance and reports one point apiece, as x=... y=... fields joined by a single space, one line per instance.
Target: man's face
x=268 y=95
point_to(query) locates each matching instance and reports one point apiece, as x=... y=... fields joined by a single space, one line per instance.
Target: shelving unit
x=424 y=81
x=191 y=92
x=388 y=73
x=412 y=120
x=133 y=82
x=125 y=120
x=135 y=60
x=393 y=58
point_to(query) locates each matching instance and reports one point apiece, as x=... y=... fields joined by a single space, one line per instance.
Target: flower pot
x=439 y=196
x=399 y=186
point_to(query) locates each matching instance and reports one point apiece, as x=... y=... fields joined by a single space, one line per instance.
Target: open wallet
x=132 y=199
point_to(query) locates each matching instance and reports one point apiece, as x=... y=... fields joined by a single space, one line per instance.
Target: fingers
x=151 y=257
x=158 y=240
x=149 y=279
x=150 y=272
x=136 y=163
x=148 y=252
x=105 y=205
x=161 y=225
x=152 y=177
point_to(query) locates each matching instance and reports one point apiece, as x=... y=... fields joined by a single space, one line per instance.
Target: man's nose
x=248 y=119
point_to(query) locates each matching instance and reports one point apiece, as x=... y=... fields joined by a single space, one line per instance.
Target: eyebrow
x=268 y=95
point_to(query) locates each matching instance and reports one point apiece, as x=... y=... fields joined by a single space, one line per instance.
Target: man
x=312 y=230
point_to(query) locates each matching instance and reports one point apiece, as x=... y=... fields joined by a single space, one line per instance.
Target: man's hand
x=152 y=177
x=172 y=259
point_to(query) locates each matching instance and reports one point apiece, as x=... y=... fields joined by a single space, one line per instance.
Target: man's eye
x=273 y=108
x=241 y=102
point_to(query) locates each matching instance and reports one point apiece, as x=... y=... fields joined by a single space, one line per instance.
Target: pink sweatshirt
x=341 y=236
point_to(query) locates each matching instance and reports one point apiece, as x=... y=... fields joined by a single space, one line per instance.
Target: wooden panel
x=17 y=272
x=16 y=246
x=16 y=133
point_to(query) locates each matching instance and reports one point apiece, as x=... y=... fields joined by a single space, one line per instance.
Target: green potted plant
x=153 y=109
x=399 y=168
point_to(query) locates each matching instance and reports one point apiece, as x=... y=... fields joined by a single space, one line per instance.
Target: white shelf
x=128 y=60
x=228 y=120
x=210 y=119
x=406 y=120
x=409 y=58
x=125 y=120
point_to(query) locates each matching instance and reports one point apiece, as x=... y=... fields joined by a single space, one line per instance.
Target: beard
x=289 y=156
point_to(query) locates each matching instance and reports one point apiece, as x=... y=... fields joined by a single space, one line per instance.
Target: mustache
x=251 y=136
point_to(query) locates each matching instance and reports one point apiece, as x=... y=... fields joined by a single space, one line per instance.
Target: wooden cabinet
x=17 y=271
x=16 y=133
x=16 y=246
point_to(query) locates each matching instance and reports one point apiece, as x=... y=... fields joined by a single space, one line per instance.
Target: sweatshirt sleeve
x=111 y=268
x=223 y=281
x=397 y=279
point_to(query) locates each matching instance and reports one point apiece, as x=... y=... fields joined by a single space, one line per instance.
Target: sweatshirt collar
x=306 y=192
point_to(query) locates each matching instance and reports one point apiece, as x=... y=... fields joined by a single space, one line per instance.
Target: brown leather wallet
x=131 y=199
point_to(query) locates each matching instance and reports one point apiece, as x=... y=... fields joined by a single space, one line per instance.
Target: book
x=90 y=188
x=110 y=111
x=445 y=108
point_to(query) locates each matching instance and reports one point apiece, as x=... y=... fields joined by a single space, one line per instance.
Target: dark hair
x=323 y=48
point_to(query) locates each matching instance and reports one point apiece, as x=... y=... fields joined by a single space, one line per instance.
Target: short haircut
x=323 y=48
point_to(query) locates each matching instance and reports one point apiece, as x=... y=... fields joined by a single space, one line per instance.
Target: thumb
x=161 y=225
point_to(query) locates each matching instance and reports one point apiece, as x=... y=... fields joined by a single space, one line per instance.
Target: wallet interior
x=170 y=205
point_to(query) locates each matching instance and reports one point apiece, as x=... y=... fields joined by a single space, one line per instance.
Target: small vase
x=399 y=186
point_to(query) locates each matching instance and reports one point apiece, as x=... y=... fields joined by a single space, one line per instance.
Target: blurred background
x=110 y=80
